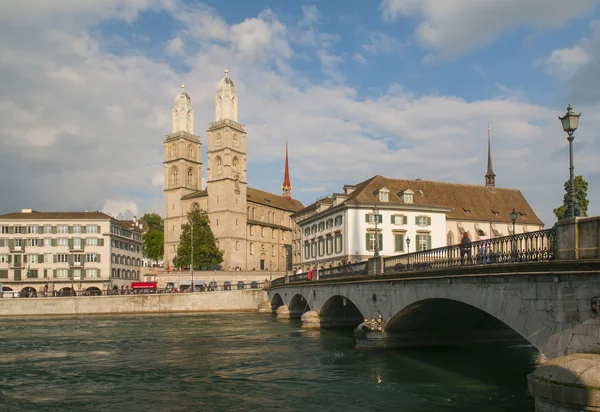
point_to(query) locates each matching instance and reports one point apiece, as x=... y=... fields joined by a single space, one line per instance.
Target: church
x=251 y=227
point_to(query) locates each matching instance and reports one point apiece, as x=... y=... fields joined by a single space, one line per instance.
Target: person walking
x=465 y=249
x=483 y=246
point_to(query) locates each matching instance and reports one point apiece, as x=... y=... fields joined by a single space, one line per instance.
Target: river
x=241 y=362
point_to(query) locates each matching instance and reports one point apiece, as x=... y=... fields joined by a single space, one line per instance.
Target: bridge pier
x=567 y=384
x=283 y=312
x=311 y=320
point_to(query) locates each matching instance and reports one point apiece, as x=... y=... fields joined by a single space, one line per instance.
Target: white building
x=52 y=251
x=342 y=228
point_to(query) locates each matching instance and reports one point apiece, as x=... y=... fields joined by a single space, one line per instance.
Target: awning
x=143 y=285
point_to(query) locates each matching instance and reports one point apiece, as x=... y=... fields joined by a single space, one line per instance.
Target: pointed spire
x=490 y=177
x=182 y=87
x=287 y=186
x=226 y=73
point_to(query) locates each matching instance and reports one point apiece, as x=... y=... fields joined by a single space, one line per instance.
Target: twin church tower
x=251 y=227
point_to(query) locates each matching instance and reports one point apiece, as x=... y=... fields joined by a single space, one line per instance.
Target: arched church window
x=253 y=213
x=235 y=140
x=251 y=248
x=190 y=177
x=219 y=167
x=272 y=250
x=174 y=176
x=195 y=206
x=173 y=151
x=190 y=151
x=234 y=164
x=218 y=140
x=449 y=238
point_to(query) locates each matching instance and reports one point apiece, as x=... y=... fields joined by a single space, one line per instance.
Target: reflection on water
x=239 y=362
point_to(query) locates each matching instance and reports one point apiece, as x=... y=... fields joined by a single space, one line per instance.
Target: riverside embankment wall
x=222 y=301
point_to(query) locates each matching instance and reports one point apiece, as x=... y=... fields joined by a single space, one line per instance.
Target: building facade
x=251 y=227
x=402 y=216
x=56 y=251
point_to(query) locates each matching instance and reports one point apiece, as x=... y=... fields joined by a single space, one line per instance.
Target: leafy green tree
x=154 y=222
x=581 y=187
x=206 y=252
x=153 y=246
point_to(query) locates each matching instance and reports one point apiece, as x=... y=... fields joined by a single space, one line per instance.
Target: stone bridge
x=547 y=304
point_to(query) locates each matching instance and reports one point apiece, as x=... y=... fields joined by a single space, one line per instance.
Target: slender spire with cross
x=287 y=186
x=490 y=177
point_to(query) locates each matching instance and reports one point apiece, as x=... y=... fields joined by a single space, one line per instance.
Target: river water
x=241 y=362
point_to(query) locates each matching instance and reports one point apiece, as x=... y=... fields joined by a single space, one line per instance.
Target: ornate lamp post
x=407 y=244
x=570 y=121
x=376 y=214
x=513 y=216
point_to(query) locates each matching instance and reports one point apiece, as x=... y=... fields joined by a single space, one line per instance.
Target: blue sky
x=401 y=88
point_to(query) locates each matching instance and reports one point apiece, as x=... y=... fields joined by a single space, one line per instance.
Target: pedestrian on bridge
x=465 y=249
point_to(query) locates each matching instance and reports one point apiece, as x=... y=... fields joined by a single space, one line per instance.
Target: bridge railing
x=338 y=272
x=522 y=247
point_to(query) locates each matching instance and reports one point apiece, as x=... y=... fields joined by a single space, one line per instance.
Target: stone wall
x=578 y=238
x=227 y=301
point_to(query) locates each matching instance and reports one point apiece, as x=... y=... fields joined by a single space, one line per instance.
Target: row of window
x=76 y=243
x=50 y=229
x=324 y=247
x=422 y=242
x=263 y=230
x=125 y=233
x=52 y=273
x=125 y=246
x=271 y=216
x=51 y=258
x=398 y=219
x=190 y=151
x=328 y=224
x=125 y=260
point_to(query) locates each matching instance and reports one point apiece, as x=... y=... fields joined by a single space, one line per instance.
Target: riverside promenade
x=247 y=300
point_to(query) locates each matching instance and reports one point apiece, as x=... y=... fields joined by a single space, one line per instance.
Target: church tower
x=182 y=170
x=490 y=177
x=286 y=188
x=226 y=157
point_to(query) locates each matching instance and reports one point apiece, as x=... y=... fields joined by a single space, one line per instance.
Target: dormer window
x=382 y=194
x=407 y=196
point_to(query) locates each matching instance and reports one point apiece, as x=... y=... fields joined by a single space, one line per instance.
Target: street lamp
x=513 y=217
x=376 y=213
x=192 y=256
x=407 y=244
x=570 y=121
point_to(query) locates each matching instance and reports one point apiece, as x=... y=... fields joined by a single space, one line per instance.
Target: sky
x=400 y=88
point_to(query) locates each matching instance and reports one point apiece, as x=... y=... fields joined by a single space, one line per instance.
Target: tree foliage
x=154 y=222
x=206 y=252
x=581 y=187
x=153 y=246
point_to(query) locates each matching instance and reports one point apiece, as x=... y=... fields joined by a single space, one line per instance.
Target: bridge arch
x=276 y=301
x=298 y=306
x=448 y=322
x=339 y=312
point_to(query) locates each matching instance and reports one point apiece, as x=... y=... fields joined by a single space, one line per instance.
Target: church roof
x=273 y=200
x=468 y=202
x=193 y=195
x=258 y=196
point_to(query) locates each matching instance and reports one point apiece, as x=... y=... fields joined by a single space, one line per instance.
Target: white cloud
x=121 y=209
x=564 y=63
x=174 y=46
x=82 y=125
x=357 y=57
x=380 y=42
x=452 y=28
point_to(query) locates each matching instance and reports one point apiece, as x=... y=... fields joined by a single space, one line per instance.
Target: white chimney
x=134 y=219
x=26 y=210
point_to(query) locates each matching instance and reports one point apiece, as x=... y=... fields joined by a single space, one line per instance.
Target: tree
x=153 y=246
x=206 y=252
x=581 y=187
x=154 y=222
